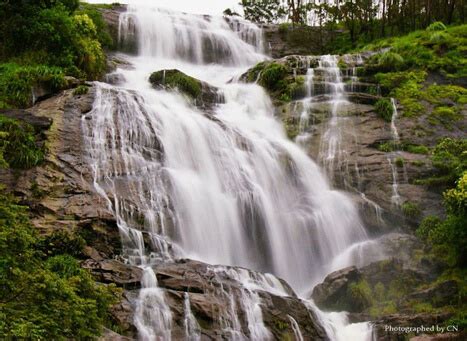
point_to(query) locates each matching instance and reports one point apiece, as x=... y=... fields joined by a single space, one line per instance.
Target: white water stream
x=226 y=187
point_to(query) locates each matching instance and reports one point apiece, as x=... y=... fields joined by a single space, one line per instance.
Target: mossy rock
x=176 y=79
x=202 y=93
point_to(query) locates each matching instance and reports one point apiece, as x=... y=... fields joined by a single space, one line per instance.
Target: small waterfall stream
x=395 y=198
x=225 y=187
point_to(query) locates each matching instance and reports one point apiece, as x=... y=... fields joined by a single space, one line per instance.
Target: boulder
x=204 y=95
x=114 y=271
x=332 y=294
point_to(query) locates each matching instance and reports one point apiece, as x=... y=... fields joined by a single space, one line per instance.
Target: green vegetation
x=45 y=295
x=176 y=79
x=361 y=295
x=42 y=41
x=384 y=109
x=81 y=90
x=416 y=149
x=399 y=162
x=17 y=82
x=411 y=210
x=18 y=148
x=448 y=237
x=278 y=80
x=291 y=127
x=272 y=76
x=450 y=161
x=445 y=116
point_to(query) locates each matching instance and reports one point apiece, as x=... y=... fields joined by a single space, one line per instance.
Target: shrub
x=81 y=90
x=456 y=198
x=390 y=60
x=450 y=159
x=272 y=76
x=399 y=162
x=17 y=82
x=18 y=148
x=440 y=38
x=384 y=109
x=427 y=225
x=49 y=299
x=411 y=210
x=61 y=243
x=417 y=149
x=436 y=26
x=444 y=115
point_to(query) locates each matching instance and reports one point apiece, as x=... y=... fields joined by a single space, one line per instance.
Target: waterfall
x=395 y=197
x=192 y=332
x=225 y=187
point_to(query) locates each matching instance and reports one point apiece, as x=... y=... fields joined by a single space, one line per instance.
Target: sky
x=190 y=6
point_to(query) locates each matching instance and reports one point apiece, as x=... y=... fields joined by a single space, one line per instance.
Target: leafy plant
x=44 y=298
x=384 y=109
x=18 y=147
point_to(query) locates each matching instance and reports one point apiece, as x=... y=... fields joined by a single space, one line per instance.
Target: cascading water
x=224 y=187
x=395 y=198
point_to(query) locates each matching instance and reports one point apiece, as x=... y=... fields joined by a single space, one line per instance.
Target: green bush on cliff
x=273 y=75
x=448 y=237
x=49 y=298
x=18 y=147
x=47 y=39
x=450 y=160
x=384 y=109
x=17 y=82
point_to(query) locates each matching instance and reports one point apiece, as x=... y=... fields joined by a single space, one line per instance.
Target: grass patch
x=18 y=148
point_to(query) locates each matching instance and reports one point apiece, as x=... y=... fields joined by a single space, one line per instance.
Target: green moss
x=384 y=109
x=291 y=127
x=18 y=147
x=176 y=79
x=418 y=163
x=254 y=72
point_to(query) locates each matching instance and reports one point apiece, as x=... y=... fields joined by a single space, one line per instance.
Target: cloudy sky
x=191 y=6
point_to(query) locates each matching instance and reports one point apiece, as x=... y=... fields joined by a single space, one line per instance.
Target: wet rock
x=122 y=315
x=109 y=335
x=111 y=15
x=203 y=94
x=40 y=124
x=113 y=271
x=332 y=294
x=218 y=298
